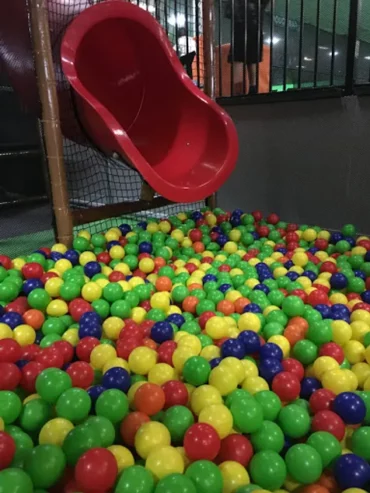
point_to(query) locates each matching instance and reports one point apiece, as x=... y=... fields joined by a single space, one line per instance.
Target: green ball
x=294 y=421
x=23 y=444
x=237 y=396
x=81 y=244
x=320 y=332
x=156 y=314
x=196 y=370
x=10 y=406
x=177 y=419
x=360 y=441
x=268 y=437
x=45 y=465
x=248 y=488
x=113 y=292
x=49 y=340
x=135 y=479
x=191 y=327
x=327 y=446
x=51 y=383
x=175 y=483
x=356 y=285
x=342 y=246
x=78 y=441
x=53 y=325
x=349 y=230
x=272 y=329
x=70 y=290
x=247 y=417
x=39 y=299
x=303 y=463
x=35 y=414
x=121 y=309
x=103 y=428
x=293 y=306
x=204 y=305
x=101 y=307
x=179 y=293
x=305 y=351
x=270 y=403
x=268 y=470
x=206 y=476
x=14 y=480
x=74 y=404
x=112 y=404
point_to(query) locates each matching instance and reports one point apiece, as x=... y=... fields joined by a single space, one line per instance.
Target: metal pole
x=351 y=47
x=50 y=119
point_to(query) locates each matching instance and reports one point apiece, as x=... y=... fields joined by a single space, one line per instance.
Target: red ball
x=328 y=267
x=78 y=307
x=124 y=347
x=65 y=349
x=149 y=399
x=293 y=366
x=317 y=297
x=204 y=317
x=321 y=244
x=10 y=351
x=292 y=227
x=362 y=306
x=286 y=386
x=291 y=237
x=236 y=448
x=300 y=293
x=224 y=268
x=146 y=305
x=190 y=267
x=7 y=450
x=321 y=400
x=104 y=258
x=20 y=305
x=6 y=262
x=81 y=373
x=273 y=218
x=330 y=422
x=85 y=346
x=116 y=276
x=30 y=372
x=263 y=231
x=334 y=350
x=195 y=235
x=32 y=270
x=257 y=215
x=48 y=275
x=96 y=470
x=165 y=352
x=30 y=351
x=49 y=357
x=201 y=442
x=146 y=326
x=10 y=376
x=130 y=426
x=176 y=393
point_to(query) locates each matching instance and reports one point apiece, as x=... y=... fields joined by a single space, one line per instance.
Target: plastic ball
x=96 y=469
x=201 y=442
x=350 y=407
x=351 y=471
x=45 y=465
x=163 y=461
x=234 y=475
x=151 y=436
x=303 y=463
x=123 y=456
x=135 y=478
x=55 y=431
x=268 y=469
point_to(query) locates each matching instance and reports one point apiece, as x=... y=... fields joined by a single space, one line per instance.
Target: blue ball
x=351 y=471
x=255 y=235
x=224 y=287
x=338 y=281
x=335 y=237
x=176 y=318
x=215 y=362
x=271 y=350
x=310 y=274
x=222 y=239
x=293 y=276
x=251 y=341
x=233 y=347
x=124 y=228
x=252 y=308
x=282 y=250
x=56 y=256
x=208 y=278
x=269 y=367
x=196 y=215
x=142 y=224
x=359 y=273
x=13 y=319
x=308 y=387
x=161 y=332
x=261 y=287
x=93 y=330
x=72 y=256
x=145 y=247
x=288 y=264
x=92 y=268
x=39 y=336
x=94 y=393
x=31 y=284
x=350 y=407
x=340 y=308
x=366 y=296
x=90 y=318
x=112 y=243
x=117 y=378
x=324 y=310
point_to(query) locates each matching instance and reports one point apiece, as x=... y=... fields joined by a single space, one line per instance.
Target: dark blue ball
x=359 y=273
x=39 y=336
x=366 y=296
x=56 y=256
x=117 y=378
x=261 y=287
x=112 y=243
x=90 y=318
x=225 y=287
x=124 y=228
x=324 y=310
x=237 y=212
x=288 y=264
x=350 y=240
x=31 y=284
x=269 y=367
x=252 y=308
x=92 y=330
x=313 y=250
x=196 y=215
x=142 y=224
x=233 y=347
x=350 y=407
x=222 y=239
x=308 y=387
x=72 y=256
x=92 y=268
x=367 y=256
x=251 y=341
x=310 y=274
x=293 y=276
x=335 y=237
x=145 y=247
x=176 y=318
x=21 y=363
x=351 y=471
x=271 y=350
x=209 y=278
x=215 y=362
x=13 y=319
x=338 y=281
x=95 y=391
x=161 y=332
x=235 y=221
x=255 y=235
x=282 y=250
x=340 y=308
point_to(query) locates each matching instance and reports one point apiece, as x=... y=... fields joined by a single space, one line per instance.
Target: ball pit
x=209 y=352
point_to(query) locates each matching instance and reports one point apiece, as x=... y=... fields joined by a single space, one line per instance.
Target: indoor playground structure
x=167 y=351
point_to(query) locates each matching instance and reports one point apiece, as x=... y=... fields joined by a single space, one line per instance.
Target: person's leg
x=252 y=77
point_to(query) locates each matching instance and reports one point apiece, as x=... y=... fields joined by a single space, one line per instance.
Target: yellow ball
x=146 y=265
x=116 y=363
x=180 y=356
x=234 y=475
x=231 y=246
x=117 y=252
x=250 y=368
x=164 y=226
x=57 y=308
x=352 y=379
x=87 y=257
x=342 y=332
x=216 y=328
x=359 y=330
x=132 y=391
x=223 y=379
x=282 y=342
x=112 y=327
x=309 y=234
x=323 y=364
x=204 y=396
x=164 y=461
x=142 y=359
x=210 y=352
x=151 y=436
x=54 y=431
x=71 y=336
x=18 y=263
x=336 y=381
x=24 y=335
x=236 y=367
x=31 y=397
x=161 y=373
x=53 y=285
x=362 y=372
x=362 y=315
x=5 y=332
x=192 y=342
x=354 y=351
x=255 y=384
x=249 y=321
x=91 y=291
x=367 y=384
x=300 y=259
x=123 y=456
x=123 y=268
x=2 y=424
x=354 y=490
x=219 y=417
x=101 y=354
x=233 y=295
x=338 y=298
x=160 y=301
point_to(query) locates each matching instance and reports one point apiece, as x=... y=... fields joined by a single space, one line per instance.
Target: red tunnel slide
x=134 y=98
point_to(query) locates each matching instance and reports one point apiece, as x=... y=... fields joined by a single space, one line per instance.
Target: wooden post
x=50 y=119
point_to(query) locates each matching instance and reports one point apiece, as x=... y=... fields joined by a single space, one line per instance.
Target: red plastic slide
x=134 y=98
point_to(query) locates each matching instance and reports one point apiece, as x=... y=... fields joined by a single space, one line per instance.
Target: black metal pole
x=300 y=54
x=316 y=67
x=351 y=48
x=333 y=42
